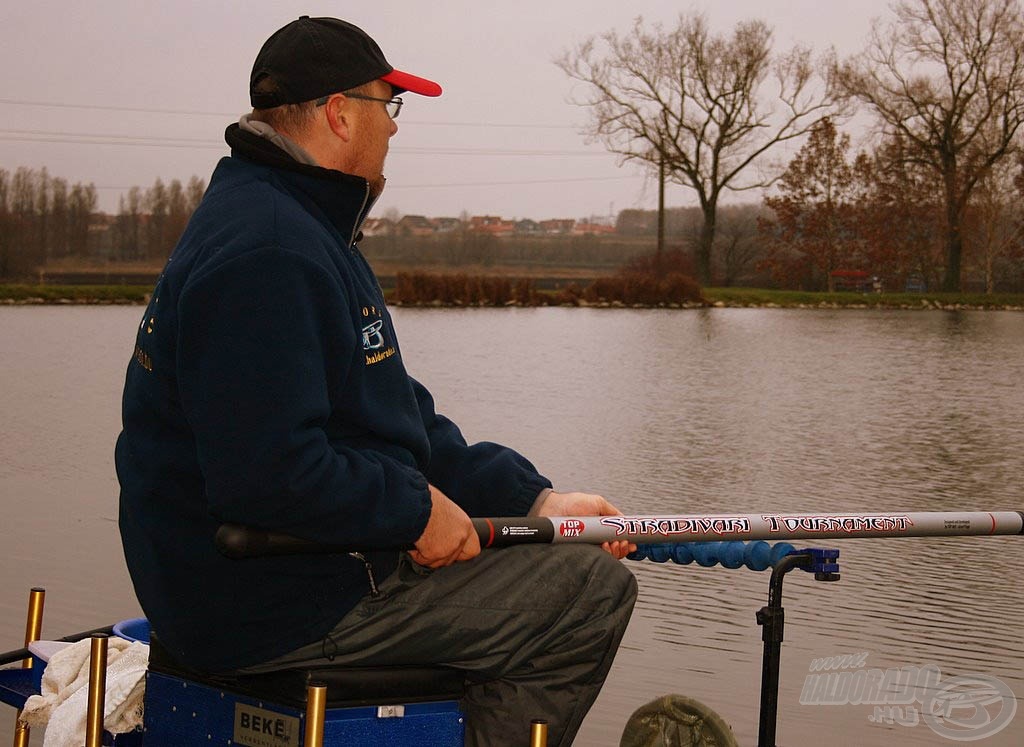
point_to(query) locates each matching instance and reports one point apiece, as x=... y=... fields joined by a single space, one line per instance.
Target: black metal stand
x=772 y=618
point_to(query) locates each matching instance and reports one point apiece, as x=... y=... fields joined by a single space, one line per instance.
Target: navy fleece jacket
x=267 y=388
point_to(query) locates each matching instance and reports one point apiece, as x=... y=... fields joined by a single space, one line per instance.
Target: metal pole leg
x=772 y=619
x=824 y=564
x=97 y=691
x=539 y=733
x=316 y=710
x=33 y=629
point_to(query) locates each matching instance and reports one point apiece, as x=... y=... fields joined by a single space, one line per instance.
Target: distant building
x=415 y=225
x=492 y=224
x=481 y=222
x=447 y=225
x=592 y=229
x=377 y=227
x=527 y=227
x=560 y=226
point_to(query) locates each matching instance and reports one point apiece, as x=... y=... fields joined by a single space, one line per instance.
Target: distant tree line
x=832 y=211
x=44 y=219
x=150 y=222
x=881 y=213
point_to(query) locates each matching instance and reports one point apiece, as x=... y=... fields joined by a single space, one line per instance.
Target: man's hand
x=449 y=536
x=585 y=504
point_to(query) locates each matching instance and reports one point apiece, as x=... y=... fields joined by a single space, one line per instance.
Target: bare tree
x=156 y=204
x=6 y=224
x=194 y=193
x=994 y=214
x=129 y=225
x=81 y=206
x=25 y=252
x=177 y=213
x=59 y=214
x=698 y=105
x=42 y=213
x=947 y=76
x=739 y=246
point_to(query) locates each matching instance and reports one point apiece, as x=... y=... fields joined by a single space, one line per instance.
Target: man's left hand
x=585 y=504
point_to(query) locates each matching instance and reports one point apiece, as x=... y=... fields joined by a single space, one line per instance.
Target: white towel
x=64 y=700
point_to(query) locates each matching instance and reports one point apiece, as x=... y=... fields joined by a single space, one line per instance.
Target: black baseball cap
x=314 y=57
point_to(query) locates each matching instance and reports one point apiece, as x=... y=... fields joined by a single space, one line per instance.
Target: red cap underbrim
x=412 y=83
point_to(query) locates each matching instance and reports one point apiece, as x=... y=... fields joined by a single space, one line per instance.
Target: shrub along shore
x=462 y=291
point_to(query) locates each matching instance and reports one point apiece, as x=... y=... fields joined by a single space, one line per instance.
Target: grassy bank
x=74 y=294
x=744 y=297
x=720 y=297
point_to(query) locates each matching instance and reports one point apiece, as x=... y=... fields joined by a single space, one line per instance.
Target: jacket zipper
x=361 y=216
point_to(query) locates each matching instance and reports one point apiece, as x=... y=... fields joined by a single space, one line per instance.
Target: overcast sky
x=119 y=92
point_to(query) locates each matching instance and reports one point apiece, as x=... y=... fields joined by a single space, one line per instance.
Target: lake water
x=723 y=410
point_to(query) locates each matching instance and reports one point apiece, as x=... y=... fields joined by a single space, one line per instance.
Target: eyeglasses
x=391 y=106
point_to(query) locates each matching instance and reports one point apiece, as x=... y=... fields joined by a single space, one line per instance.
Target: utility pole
x=661 y=207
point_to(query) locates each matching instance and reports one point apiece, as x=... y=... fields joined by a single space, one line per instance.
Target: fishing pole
x=238 y=541
x=501 y=532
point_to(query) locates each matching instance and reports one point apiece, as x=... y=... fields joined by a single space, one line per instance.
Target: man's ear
x=339 y=117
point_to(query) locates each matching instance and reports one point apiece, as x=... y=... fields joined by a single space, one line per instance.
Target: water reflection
x=717 y=410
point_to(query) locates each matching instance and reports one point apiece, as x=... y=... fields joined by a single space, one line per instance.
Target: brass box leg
x=539 y=733
x=316 y=709
x=33 y=629
x=97 y=691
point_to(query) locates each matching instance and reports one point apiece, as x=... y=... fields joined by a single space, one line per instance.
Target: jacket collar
x=343 y=198
x=248 y=124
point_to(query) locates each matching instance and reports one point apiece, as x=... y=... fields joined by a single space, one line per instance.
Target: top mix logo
x=571 y=528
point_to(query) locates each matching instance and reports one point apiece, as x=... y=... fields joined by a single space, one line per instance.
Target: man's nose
x=394 y=128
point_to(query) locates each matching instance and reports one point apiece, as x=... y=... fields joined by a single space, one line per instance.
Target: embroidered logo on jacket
x=373 y=337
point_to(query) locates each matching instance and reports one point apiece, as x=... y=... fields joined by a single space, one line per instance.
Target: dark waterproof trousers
x=535 y=628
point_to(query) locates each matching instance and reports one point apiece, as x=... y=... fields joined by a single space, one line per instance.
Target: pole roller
x=97 y=691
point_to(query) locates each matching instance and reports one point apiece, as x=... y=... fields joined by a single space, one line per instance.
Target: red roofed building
x=557 y=225
x=492 y=224
x=592 y=229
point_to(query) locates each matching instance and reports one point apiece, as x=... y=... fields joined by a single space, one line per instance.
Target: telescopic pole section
x=97 y=691
x=503 y=531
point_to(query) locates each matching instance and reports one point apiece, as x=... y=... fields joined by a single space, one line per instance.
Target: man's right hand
x=449 y=536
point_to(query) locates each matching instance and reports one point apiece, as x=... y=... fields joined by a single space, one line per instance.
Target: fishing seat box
x=365 y=706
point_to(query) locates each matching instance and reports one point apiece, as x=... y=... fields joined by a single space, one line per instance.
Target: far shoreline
x=96 y=295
